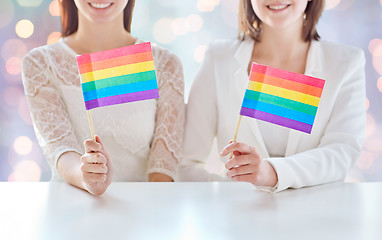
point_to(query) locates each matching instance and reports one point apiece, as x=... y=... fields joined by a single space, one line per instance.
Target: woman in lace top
x=140 y=140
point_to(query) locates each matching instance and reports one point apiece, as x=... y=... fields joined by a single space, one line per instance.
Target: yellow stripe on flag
x=117 y=71
x=284 y=93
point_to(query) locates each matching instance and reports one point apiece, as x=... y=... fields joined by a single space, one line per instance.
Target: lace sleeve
x=165 y=150
x=50 y=120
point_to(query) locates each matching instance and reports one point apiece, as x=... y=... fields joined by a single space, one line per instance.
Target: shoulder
x=166 y=62
x=164 y=58
x=168 y=67
x=224 y=47
x=340 y=52
x=36 y=55
x=42 y=55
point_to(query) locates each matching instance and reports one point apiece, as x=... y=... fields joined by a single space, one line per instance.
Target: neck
x=92 y=37
x=281 y=45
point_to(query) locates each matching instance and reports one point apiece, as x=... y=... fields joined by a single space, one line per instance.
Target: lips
x=99 y=5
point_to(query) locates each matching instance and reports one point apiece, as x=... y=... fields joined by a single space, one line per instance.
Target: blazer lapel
x=313 y=68
x=242 y=57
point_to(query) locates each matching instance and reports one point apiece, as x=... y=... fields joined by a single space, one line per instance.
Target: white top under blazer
x=325 y=155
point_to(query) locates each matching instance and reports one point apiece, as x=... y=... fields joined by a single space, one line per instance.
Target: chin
x=282 y=24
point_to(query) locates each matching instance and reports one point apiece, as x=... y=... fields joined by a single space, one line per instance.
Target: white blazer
x=325 y=155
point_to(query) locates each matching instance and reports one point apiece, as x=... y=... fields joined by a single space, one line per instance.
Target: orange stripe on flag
x=285 y=83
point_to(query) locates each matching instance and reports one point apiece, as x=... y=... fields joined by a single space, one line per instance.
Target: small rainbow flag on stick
x=117 y=76
x=284 y=98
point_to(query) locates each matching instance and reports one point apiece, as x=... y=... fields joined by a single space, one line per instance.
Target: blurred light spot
x=24 y=28
x=54 y=8
x=379 y=84
x=36 y=153
x=207 y=5
x=22 y=145
x=367 y=104
x=232 y=6
x=12 y=79
x=29 y=3
x=179 y=26
x=374 y=144
x=13 y=65
x=26 y=171
x=6 y=12
x=377 y=63
x=24 y=111
x=345 y=5
x=365 y=160
x=162 y=31
x=194 y=23
x=370 y=125
x=12 y=96
x=199 y=53
x=229 y=17
x=375 y=47
x=330 y=4
x=145 y=17
x=53 y=38
x=352 y=179
x=13 y=48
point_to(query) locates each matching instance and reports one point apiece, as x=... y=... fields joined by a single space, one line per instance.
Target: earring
x=304 y=18
x=257 y=26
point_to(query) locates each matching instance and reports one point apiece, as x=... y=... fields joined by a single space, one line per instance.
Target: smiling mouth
x=277 y=7
x=100 y=5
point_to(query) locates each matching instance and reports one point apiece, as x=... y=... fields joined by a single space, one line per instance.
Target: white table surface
x=190 y=211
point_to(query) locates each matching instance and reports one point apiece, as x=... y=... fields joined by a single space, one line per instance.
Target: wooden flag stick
x=91 y=124
x=236 y=132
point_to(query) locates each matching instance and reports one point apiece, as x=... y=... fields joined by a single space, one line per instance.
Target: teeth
x=277 y=7
x=100 y=5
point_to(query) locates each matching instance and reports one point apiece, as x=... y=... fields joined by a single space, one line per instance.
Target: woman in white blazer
x=274 y=158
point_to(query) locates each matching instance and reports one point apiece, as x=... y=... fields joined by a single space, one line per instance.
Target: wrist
x=159 y=177
x=270 y=175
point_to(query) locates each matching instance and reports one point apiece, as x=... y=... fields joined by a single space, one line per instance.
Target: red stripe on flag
x=118 y=52
x=296 y=77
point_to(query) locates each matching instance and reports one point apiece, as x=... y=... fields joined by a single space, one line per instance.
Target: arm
x=50 y=119
x=51 y=122
x=201 y=124
x=341 y=143
x=169 y=123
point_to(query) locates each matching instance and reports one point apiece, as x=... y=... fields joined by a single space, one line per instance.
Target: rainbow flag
x=117 y=76
x=284 y=98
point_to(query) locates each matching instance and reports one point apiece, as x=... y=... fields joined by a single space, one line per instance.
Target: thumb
x=98 y=140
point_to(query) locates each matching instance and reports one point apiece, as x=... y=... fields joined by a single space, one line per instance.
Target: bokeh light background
x=185 y=27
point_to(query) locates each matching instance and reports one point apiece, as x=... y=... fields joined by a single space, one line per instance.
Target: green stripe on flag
x=117 y=81
x=282 y=102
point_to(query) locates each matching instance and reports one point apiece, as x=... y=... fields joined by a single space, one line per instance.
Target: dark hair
x=69 y=16
x=249 y=22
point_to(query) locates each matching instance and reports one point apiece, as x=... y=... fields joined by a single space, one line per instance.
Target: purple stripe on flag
x=124 y=98
x=286 y=122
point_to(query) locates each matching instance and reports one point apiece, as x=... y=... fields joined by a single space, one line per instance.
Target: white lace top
x=140 y=137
